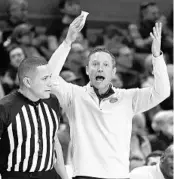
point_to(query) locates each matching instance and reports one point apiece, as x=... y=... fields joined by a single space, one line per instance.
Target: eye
x=95 y=64
x=45 y=78
x=106 y=64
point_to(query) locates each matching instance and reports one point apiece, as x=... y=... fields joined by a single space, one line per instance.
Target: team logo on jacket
x=113 y=100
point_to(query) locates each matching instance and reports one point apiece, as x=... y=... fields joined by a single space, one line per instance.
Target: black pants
x=85 y=177
x=51 y=174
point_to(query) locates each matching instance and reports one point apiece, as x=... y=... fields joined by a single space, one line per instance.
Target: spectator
x=129 y=67
x=115 y=37
x=117 y=81
x=10 y=80
x=162 y=124
x=81 y=40
x=95 y=40
x=140 y=145
x=44 y=43
x=23 y=36
x=69 y=10
x=18 y=14
x=70 y=77
x=153 y=158
x=162 y=170
x=149 y=14
x=76 y=64
x=17 y=11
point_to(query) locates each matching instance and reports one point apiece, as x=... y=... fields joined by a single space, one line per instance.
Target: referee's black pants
x=51 y=174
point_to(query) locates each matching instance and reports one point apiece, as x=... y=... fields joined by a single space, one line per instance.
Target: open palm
x=156 y=36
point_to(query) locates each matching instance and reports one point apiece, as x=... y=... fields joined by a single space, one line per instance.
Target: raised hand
x=75 y=27
x=156 y=36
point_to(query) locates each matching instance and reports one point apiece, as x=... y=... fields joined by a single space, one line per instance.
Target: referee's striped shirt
x=27 y=132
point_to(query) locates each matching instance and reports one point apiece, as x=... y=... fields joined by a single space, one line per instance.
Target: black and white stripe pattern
x=24 y=146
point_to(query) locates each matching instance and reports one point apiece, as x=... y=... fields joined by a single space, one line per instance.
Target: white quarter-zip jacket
x=101 y=131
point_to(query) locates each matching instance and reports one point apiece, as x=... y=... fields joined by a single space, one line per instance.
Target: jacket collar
x=94 y=92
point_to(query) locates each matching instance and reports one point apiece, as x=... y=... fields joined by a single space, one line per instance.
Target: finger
x=152 y=36
x=154 y=32
x=160 y=28
x=157 y=29
x=75 y=27
x=78 y=25
x=77 y=21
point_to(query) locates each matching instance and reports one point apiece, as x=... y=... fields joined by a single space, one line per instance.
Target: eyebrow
x=46 y=76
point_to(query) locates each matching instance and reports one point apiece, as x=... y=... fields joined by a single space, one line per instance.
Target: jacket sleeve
x=64 y=92
x=146 y=98
x=58 y=59
x=60 y=87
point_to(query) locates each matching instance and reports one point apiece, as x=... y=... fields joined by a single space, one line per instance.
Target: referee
x=29 y=121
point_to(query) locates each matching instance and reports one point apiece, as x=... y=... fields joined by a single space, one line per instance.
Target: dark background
x=42 y=12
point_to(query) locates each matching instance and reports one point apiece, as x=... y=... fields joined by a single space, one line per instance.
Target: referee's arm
x=59 y=163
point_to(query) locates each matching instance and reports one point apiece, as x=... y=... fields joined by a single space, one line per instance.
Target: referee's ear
x=27 y=82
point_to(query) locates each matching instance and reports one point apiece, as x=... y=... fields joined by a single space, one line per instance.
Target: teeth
x=99 y=79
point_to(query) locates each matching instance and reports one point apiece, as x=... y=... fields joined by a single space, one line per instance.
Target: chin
x=46 y=96
x=101 y=86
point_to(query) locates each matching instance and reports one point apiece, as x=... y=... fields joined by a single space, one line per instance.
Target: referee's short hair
x=28 y=66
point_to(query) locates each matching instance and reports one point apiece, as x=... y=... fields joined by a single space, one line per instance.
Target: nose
x=100 y=69
x=49 y=84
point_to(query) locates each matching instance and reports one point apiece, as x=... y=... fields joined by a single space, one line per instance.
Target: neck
x=164 y=174
x=28 y=94
x=103 y=90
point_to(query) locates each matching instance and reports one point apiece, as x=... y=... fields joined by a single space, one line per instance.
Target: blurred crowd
x=153 y=130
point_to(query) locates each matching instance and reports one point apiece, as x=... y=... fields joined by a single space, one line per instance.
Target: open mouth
x=99 y=78
x=47 y=90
